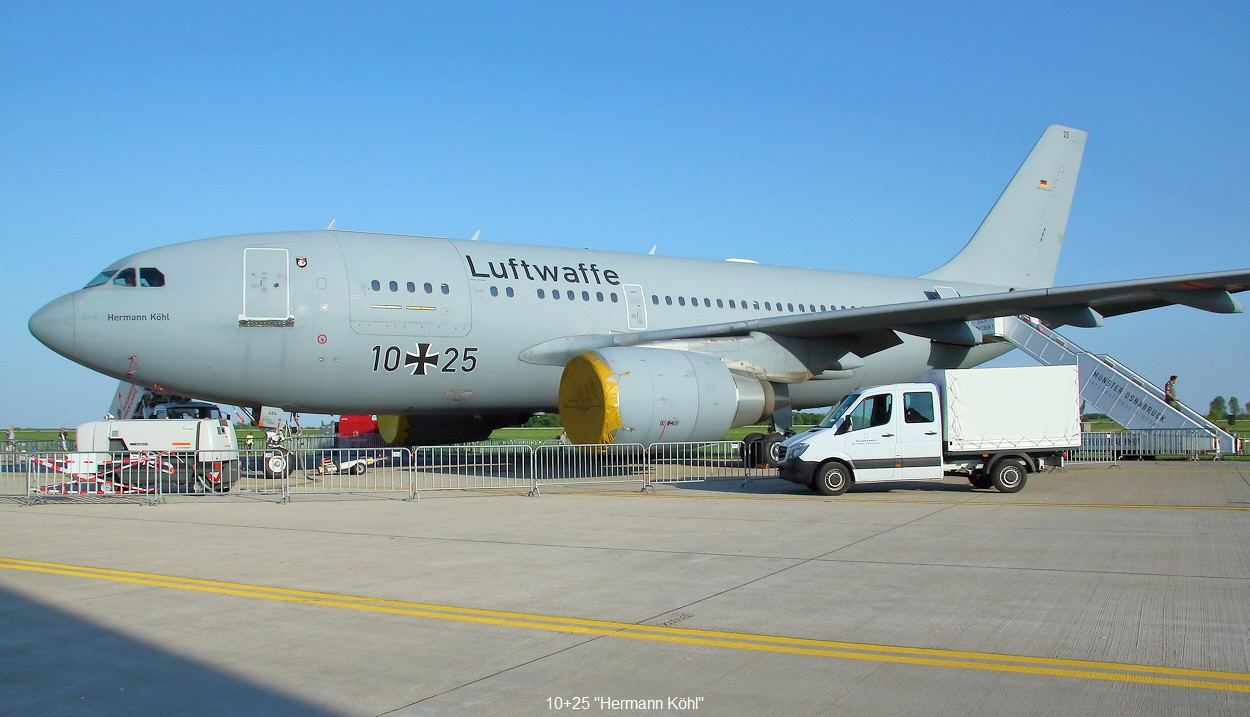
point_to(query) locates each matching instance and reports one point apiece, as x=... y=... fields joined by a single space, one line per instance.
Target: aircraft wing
x=874 y=328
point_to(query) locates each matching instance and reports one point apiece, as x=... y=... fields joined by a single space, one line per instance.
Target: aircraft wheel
x=359 y=469
x=751 y=449
x=771 y=451
x=1009 y=476
x=277 y=463
x=832 y=478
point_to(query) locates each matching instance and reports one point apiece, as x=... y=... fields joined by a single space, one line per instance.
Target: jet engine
x=649 y=395
x=414 y=430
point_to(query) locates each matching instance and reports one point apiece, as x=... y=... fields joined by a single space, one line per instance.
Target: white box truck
x=991 y=425
x=181 y=455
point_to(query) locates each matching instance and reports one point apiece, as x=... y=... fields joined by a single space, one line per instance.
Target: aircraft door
x=266 y=292
x=637 y=306
x=920 y=437
x=873 y=438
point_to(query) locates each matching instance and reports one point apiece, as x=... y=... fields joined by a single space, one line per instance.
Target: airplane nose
x=53 y=325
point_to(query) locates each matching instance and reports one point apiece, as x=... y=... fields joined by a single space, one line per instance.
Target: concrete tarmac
x=1109 y=591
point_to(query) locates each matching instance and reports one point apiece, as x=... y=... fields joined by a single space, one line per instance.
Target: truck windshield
x=832 y=417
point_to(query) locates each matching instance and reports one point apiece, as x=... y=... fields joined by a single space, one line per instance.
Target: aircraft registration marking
x=1000 y=663
x=455 y=359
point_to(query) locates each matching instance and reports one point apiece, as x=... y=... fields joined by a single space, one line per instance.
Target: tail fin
x=1017 y=245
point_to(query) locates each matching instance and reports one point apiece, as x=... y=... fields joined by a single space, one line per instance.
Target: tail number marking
x=454 y=359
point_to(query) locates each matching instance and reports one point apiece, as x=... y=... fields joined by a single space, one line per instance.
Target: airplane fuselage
x=343 y=322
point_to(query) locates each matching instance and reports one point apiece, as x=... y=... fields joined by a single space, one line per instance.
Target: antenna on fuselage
x=653 y=248
x=332 y=221
x=476 y=234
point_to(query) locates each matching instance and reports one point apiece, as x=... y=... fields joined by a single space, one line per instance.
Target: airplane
x=447 y=339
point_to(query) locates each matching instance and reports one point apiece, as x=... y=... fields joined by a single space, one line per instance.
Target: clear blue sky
x=858 y=136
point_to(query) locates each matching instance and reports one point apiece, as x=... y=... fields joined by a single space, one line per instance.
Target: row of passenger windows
x=613 y=297
x=744 y=304
x=427 y=287
x=145 y=276
x=572 y=295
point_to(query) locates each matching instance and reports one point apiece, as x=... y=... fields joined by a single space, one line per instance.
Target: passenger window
x=494 y=291
x=655 y=299
x=394 y=286
x=918 y=407
x=375 y=285
x=150 y=276
x=429 y=288
x=509 y=292
x=599 y=296
x=668 y=300
x=125 y=277
x=614 y=297
x=412 y=288
x=542 y=294
x=681 y=300
x=585 y=296
x=445 y=289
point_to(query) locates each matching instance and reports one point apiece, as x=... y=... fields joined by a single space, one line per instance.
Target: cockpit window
x=101 y=278
x=147 y=276
x=150 y=276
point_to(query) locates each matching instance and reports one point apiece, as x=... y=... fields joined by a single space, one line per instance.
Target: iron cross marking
x=419 y=361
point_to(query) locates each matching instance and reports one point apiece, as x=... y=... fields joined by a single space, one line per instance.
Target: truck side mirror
x=848 y=424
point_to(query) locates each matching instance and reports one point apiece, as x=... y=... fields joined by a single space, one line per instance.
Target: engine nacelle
x=647 y=395
x=405 y=430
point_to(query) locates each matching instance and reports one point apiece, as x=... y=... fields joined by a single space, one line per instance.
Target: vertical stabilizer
x=1018 y=243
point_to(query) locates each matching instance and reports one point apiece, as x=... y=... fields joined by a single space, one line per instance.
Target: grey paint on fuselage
x=363 y=348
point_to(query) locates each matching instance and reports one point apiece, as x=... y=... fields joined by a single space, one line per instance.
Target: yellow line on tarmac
x=1083 y=669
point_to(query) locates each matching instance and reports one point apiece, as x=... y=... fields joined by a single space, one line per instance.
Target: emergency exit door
x=637 y=307
x=266 y=294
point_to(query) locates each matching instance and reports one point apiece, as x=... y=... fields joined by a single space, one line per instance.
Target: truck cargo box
x=992 y=409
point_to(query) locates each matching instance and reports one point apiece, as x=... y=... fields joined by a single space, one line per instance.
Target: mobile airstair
x=1110 y=387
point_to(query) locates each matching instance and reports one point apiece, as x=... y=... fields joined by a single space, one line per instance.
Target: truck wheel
x=1009 y=475
x=833 y=478
x=980 y=480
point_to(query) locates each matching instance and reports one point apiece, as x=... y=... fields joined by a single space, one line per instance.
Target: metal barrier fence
x=1114 y=446
x=470 y=467
x=403 y=473
x=139 y=475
